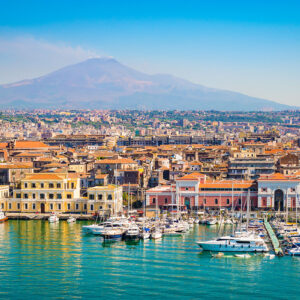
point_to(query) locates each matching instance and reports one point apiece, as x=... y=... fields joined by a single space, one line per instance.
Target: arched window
x=109 y=197
x=227 y=201
x=216 y=201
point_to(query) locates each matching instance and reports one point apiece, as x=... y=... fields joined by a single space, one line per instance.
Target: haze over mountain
x=104 y=83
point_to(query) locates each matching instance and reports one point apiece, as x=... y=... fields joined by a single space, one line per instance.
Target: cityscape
x=168 y=170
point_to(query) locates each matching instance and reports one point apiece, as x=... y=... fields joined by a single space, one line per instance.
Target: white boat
x=53 y=218
x=242 y=255
x=156 y=234
x=212 y=221
x=71 y=219
x=89 y=228
x=145 y=235
x=3 y=217
x=132 y=232
x=113 y=231
x=228 y=222
x=240 y=243
x=295 y=251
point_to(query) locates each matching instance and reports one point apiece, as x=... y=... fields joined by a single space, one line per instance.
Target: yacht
x=53 y=218
x=132 y=232
x=112 y=232
x=3 y=217
x=237 y=243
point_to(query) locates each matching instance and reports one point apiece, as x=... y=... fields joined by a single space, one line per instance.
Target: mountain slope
x=105 y=83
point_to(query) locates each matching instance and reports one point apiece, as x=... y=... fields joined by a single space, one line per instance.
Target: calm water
x=39 y=260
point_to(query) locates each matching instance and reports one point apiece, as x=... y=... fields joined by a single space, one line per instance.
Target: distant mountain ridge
x=104 y=83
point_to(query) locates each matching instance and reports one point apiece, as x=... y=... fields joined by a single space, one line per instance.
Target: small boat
x=3 y=217
x=212 y=221
x=156 y=234
x=71 y=219
x=295 y=251
x=218 y=255
x=246 y=255
x=53 y=218
x=145 y=234
x=113 y=232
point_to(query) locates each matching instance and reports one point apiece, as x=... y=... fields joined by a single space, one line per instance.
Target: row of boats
x=289 y=236
x=141 y=228
x=55 y=219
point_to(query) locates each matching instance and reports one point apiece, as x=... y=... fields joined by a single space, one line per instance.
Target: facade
x=195 y=191
x=278 y=192
x=4 y=194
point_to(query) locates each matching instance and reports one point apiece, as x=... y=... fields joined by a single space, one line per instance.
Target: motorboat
x=294 y=251
x=246 y=242
x=212 y=221
x=113 y=232
x=132 y=232
x=156 y=234
x=145 y=234
x=3 y=217
x=89 y=228
x=53 y=218
x=71 y=219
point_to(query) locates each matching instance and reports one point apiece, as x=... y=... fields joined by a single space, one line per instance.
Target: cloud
x=27 y=57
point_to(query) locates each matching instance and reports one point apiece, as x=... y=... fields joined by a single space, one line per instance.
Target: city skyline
x=246 y=47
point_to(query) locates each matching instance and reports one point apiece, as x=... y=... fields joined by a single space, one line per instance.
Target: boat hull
x=2 y=220
x=227 y=248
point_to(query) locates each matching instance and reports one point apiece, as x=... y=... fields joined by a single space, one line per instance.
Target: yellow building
x=46 y=192
x=105 y=199
x=4 y=193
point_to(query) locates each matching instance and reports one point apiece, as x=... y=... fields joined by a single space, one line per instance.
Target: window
x=33 y=196
x=109 y=197
x=227 y=201
x=166 y=200
x=2 y=205
x=51 y=196
x=240 y=201
x=77 y=206
x=109 y=206
x=26 y=196
x=25 y=206
x=100 y=197
x=18 y=195
x=204 y=201
x=92 y=207
x=58 y=185
x=25 y=185
x=216 y=201
x=91 y=196
x=9 y=205
x=51 y=185
x=33 y=185
x=59 y=206
x=33 y=205
x=153 y=200
x=18 y=205
x=69 y=206
x=51 y=206
x=42 y=185
x=58 y=196
x=69 y=196
x=72 y=185
x=100 y=207
x=42 y=196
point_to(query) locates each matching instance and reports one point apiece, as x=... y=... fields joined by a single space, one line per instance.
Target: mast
x=287 y=205
x=128 y=198
x=248 y=202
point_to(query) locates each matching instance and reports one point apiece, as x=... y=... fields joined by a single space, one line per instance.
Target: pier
x=273 y=238
x=28 y=216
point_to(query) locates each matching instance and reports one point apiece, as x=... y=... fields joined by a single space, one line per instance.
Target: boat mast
x=248 y=202
x=128 y=198
x=287 y=205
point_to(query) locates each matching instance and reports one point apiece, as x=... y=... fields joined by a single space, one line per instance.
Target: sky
x=248 y=46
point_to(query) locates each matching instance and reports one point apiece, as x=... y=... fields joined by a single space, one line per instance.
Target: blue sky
x=248 y=46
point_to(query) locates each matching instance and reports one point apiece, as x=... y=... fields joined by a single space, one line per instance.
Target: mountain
x=104 y=83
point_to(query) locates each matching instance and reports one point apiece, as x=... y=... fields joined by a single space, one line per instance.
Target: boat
x=53 y=218
x=145 y=234
x=132 y=232
x=156 y=234
x=246 y=255
x=89 y=228
x=294 y=251
x=212 y=221
x=112 y=232
x=3 y=217
x=236 y=243
x=71 y=219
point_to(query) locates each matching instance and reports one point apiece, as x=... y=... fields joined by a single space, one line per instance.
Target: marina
x=60 y=256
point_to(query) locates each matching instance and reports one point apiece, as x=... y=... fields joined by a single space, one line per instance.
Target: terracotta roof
x=277 y=176
x=115 y=161
x=44 y=176
x=16 y=166
x=192 y=176
x=30 y=144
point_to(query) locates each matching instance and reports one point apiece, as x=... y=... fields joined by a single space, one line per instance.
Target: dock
x=28 y=216
x=273 y=238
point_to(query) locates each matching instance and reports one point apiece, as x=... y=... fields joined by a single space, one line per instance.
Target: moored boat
x=53 y=218
x=3 y=217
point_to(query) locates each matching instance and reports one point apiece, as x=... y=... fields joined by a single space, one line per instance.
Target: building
x=105 y=200
x=4 y=194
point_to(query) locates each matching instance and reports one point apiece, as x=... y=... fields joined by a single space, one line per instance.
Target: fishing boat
x=3 y=217
x=71 y=219
x=53 y=218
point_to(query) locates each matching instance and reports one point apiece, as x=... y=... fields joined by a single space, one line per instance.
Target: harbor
x=59 y=260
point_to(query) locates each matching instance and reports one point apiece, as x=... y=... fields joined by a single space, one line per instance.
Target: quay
x=35 y=216
x=273 y=238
